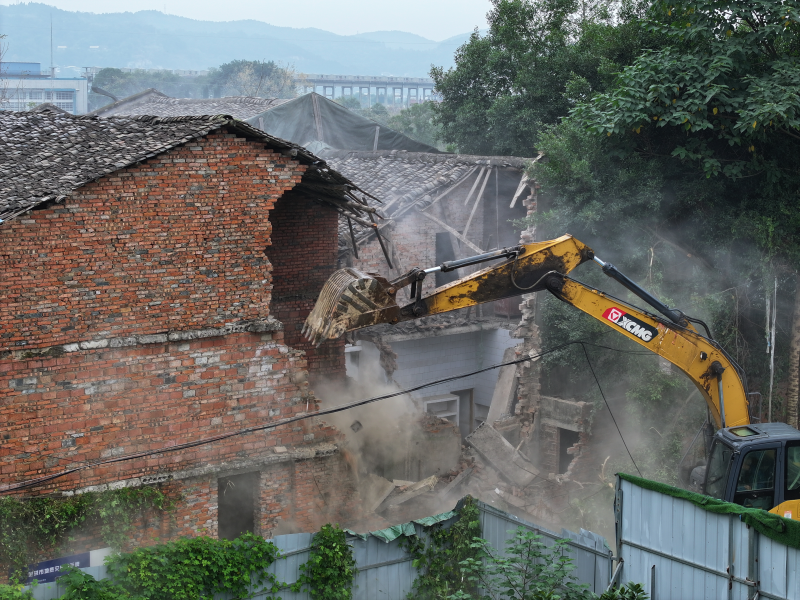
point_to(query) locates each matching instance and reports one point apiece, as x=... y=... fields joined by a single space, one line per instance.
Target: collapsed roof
x=46 y=155
x=406 y=180
x=310 y=120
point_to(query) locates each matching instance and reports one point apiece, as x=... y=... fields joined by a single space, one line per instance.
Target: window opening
x=755 y=487
x=718 y=467
x=466 y=411
x=566 y=439
x=792 y=483
x=236 y=502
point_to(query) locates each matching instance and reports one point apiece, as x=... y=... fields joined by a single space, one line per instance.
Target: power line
x=591 y=368
x=321 y=413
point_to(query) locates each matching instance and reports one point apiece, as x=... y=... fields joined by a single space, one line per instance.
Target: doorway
x=566 y=439
x=236 y=497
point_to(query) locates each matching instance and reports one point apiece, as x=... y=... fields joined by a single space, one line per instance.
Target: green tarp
x=785 y=531
x=392 y=533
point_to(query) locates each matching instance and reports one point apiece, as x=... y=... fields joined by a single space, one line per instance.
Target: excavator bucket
x=350 y=299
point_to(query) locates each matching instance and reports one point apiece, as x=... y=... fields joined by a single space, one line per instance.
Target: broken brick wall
x=136 y=316
x=303 y=255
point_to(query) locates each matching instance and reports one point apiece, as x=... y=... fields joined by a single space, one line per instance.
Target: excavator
x=750 y=463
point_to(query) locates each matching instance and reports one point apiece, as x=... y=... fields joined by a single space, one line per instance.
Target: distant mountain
x=151 y=39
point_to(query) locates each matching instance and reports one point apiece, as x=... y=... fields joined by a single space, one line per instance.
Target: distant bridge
x=387 y=90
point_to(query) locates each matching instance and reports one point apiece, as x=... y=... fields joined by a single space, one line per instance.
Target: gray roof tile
x=46 y=155
x=153 y=102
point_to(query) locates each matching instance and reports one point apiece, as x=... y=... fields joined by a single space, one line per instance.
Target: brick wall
x=95 y=292
x=94 y=404
x=303 y=254
x=172 y=244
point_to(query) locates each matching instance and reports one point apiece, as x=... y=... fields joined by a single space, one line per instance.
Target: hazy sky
x=433 y=19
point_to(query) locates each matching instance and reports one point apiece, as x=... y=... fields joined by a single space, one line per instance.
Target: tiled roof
x=153 y=102
x=46 y=155
x=403 y=180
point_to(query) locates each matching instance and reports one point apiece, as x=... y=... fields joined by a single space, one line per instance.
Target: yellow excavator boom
x=702 y=360
x=352 y=300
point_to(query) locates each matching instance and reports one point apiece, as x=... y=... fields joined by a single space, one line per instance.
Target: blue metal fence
x=678 y=550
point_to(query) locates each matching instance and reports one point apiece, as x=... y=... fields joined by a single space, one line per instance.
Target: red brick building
x=156 y=273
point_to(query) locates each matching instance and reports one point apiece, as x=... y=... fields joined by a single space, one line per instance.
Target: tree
x=349 y=102
x=264 y=79
x=235 y=78
x=537 y=60
x=417 y=122
x=691 y=155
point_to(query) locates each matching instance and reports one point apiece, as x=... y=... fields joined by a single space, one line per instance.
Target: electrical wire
x=591 y=368
x=321 y=413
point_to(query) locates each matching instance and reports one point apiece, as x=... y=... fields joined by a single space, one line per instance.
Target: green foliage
x=417 y=122
x=349 y=102
x=194 y=568
x=265 y=79
x=537 y=60
x=439 y=562
x=31 y=527
x=14 y=592
x=528 y=570
x=331 y=568
x=82 y=586
x=378 y=113
x=631 y=591
x=730 y=77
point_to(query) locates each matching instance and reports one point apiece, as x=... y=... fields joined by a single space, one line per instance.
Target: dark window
x=755 y=487
x=792 y=489
x=236 y=502
x=444 y=252
x=566 y=439
x=718 y=470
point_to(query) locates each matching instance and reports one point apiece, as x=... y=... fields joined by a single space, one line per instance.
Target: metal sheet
x=698 y=554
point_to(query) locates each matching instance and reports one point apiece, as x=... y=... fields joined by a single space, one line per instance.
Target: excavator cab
x=755 y=466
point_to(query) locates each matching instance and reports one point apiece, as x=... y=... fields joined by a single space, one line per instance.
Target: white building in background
x=23 y=87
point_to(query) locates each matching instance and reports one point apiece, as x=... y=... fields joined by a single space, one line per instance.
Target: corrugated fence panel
x=386 y=571
x=589 y=551
x=678 y=550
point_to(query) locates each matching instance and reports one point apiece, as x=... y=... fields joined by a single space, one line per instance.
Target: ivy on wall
x=331 y=568
x=29 y=528
x=440 y=560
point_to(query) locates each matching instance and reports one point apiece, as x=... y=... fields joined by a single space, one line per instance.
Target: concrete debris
x=374 y=489
x=502 y=455
x=356 y=426
x=456 y=483
x=511 y=499
x=505 y=392
x=413 y=491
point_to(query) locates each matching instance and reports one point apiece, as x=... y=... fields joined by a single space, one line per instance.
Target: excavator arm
x=701 y=359
x=352 y=300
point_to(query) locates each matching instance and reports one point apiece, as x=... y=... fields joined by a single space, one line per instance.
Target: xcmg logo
x=630 y=324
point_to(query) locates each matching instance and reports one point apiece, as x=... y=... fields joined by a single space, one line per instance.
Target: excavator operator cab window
x=792 y=490
x=718 y=467
x=755 y=487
